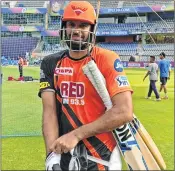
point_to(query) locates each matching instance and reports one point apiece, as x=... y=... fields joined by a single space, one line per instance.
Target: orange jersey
x=80 y=102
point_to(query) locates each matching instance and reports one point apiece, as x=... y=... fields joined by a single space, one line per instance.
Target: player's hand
x=53 y=162
x=65 y=143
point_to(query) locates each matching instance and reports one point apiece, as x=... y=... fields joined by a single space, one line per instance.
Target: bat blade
x=149 y=158
x=129 y=148
x=149 y=142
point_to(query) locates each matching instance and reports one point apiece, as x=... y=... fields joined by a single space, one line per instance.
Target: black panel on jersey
x=48 y=66
x=72 y=114
x=67 y=125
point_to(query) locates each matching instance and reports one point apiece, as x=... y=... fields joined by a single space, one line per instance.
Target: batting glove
x=53 y=162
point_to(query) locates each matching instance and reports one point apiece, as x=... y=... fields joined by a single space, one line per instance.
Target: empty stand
x=14 y=46
x=124 y=49
x=35 y=4
x=156 y=25
x=152 y=49
x=142 y=3
x=54 y=23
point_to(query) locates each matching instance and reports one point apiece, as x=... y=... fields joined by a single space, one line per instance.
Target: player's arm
x=118 y=115
x=146 y=75
x=47 y=93
x=49 y=122
x=121 y=97
x=50 y=127
x=159 y=65
x=169 y=75
x=169 y=71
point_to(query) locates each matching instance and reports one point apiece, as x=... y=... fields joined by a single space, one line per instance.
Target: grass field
x=21 y=115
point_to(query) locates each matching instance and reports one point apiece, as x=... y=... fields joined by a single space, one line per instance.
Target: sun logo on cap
x=78 y=10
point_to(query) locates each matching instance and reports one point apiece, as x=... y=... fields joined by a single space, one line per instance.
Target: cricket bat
x=149 y=142
x=126 y=141
x=149 y=158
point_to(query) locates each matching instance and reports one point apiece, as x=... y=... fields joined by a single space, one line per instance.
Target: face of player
x=161 y=57
x=78 y=32
x=151 y=60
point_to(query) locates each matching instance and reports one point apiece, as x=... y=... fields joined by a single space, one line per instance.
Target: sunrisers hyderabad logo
x=78 y=10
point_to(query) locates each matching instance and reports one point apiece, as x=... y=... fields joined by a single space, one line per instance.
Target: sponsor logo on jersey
x=118 y=66
x=72 y=89
x=64 y=71
x=122 y=81
x=72 y=93
x=44 y=85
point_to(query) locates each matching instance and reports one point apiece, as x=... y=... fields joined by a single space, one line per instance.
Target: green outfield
x=21 y=115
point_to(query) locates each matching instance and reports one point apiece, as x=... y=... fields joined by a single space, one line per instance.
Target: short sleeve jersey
x=153 y=68
x=164 y=66
x=79 y=101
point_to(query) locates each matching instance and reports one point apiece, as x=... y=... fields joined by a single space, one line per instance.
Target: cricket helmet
x=79 y=11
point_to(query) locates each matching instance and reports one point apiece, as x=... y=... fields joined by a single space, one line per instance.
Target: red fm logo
x=78 y=10
x=72 y=89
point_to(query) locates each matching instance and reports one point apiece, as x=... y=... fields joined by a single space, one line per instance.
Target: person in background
x=164 y=67
x=20 y=66
x=1 y=77
x=153 y=77
x=132 y=59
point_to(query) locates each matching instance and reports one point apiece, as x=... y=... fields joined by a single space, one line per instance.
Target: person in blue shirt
x=164 y=66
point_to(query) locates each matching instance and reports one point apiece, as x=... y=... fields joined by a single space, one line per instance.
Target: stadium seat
x=39 y=3
x=14 y=46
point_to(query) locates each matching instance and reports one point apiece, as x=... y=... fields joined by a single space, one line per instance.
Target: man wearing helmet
x=76 y=17
x=76 y=127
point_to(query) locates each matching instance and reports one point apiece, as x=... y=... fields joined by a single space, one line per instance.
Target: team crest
x=78 y=10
